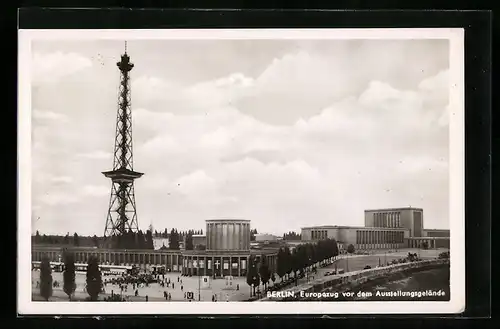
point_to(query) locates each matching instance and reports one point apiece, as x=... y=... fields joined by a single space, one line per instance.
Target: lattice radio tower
x=122 y=214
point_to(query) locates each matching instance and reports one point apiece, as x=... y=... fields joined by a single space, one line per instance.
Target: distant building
x=159 y=242
x=199 y=240
x=227 y=252
x=266 y=237
x=384 y=229
x=436 y=233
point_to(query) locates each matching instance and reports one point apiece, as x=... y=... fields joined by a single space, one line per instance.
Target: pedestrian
x=173 y=286
x=184 y=295
x=177 y=279
x=213 y=298
x=182 y=288
x=146 y=298
x=136 y=292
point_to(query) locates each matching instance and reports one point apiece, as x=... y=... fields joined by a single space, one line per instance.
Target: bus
x=55 y=266
x=82 y=267
x=158 y=269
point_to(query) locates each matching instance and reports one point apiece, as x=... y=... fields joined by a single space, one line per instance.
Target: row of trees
x=75 y=239
x=93 y=284
x=182 y=234
x=253 y=232
x=302 y=258
x=129 y=240
x=133 y=240
x=291 y=236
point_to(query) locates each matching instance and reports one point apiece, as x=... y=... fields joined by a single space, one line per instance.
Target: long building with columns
x=227 y=253
x=391 y=228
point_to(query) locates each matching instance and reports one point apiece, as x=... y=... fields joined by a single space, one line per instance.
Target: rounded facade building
x=228 y=234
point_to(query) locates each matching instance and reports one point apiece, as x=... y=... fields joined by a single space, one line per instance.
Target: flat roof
x=227 y=220
x=428 y=238
x=226 y=253
x=436 y=229
x=354 y=227
x=98 y=250
x=394 y=209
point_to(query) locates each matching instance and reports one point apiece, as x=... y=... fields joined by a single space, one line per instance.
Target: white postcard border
x=456 y=167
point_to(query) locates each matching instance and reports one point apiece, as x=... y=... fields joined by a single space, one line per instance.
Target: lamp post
x=307 y=270
x=199 y=279
x=347 y=262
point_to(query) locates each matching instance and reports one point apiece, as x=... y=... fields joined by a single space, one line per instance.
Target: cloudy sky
x=284 y=133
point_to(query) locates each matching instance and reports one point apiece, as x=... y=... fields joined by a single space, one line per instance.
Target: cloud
x=196 y=184
x=309 y=139
x=62 y=179
x=50 y=67
x=95 y=155
x=56 y=199
x=48 y=115
x=438 y=82
x=95 y=190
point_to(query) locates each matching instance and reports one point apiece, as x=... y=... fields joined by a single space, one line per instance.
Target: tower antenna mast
x=122 y=214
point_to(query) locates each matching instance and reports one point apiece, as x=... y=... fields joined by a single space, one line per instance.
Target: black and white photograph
x=229 y=171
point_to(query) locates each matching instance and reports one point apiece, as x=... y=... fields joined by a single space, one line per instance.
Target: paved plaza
x=219 y=287
x=155 y=292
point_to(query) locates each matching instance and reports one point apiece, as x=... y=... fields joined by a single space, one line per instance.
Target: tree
x=291 y=236
x=76 y=240
x=295 y=263
x=252 y=274
x=149 y=240
x=66 y=239
x=37 y=237
x=281 y=263
x=94 y=280
x=288 y=261
x=165 y=233
x=264 y=272
x=189 y=242
x=95 y=240
x=45 y=278
x=252 y=234
x=350 y=248
x=69 y=274
x=141 y=243
x=173 y=241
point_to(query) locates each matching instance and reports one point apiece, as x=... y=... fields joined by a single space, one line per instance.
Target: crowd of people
x=141 y=280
